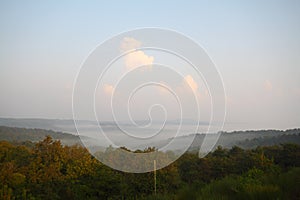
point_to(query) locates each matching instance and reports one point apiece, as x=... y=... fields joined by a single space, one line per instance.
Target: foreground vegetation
x=49 y=170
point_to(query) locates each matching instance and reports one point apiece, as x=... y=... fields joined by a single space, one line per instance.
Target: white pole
x=154 y=166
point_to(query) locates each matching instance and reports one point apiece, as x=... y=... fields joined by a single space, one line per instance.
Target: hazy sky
x=255 y=45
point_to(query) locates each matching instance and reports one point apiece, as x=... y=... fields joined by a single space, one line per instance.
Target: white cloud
x=136 y=58
x=189 y=86
x=191 y=83
x=129 y=43
x=108 y=89
x=268 y=85
x=163 y=88
x=229 y=100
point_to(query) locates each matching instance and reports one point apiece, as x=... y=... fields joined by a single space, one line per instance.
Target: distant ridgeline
x=243 y=139
x=19 y=135
x=252 y=138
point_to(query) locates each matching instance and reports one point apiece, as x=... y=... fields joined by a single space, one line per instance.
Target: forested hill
x=34 y=135
x=254 y=138
x=243 y=139
x=250 y=139
x=50 y=171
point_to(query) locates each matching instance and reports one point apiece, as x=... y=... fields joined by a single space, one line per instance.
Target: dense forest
x=15 y=134
x=50 y=170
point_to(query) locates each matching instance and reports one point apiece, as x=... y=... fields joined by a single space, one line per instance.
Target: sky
x=254 y=44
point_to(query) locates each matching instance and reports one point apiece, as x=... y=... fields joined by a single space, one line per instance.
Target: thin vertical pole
x=154 y=167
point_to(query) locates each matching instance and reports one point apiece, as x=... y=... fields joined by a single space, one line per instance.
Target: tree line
x=50 y=170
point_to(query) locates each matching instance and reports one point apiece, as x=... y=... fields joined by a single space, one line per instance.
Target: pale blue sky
x=255 y=45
